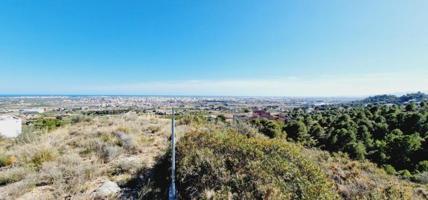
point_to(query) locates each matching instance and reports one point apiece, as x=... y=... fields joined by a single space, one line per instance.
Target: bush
x=12 y=175
x=232 y=165
x=126 y=141
x=396 y=191
x=68 y=173
x=389 y=169
x=356 y=150
x=244 y=128
x=48 y=123
x=80 y=118
x=421 y=177
x=29 y=134
x=154 y=129
x=108 y=152
x=269 y=128
x=42 y=156
x=405 y=174
x=192 y=118
x=423 y=166
x=7 y=160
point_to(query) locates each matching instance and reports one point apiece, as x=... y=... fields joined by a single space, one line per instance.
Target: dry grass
x=363 y=179
x=72 y=161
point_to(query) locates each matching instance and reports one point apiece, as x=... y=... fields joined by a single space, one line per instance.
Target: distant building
x=261 y=114
x=10 y=126
x=29 y=111
x=241 y=117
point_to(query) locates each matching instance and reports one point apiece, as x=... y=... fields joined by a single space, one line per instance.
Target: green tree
x=410 y=107
x=400 y=148
x=318 y=133
x=356 y=150
x=269 y=128
x=298 y=131
x=340 y=138
x=412 y=122
x=364 y=135
x=380 y=130
x=423 y=166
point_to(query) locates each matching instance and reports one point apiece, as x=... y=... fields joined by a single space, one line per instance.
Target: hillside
x=219 y=163
x=78 y=160
x=228 y=165
x=126 y=156
x=381 y=99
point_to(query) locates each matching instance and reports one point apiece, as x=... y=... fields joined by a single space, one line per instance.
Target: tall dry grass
x=72 y=161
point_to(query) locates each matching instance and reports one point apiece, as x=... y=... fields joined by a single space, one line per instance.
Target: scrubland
x=76 y=159
x=127 y=156
x=219 y=161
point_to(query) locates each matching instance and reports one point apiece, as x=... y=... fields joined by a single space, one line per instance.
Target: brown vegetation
x=74 y=160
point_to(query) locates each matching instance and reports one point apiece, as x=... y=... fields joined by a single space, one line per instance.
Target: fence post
x=172 y=192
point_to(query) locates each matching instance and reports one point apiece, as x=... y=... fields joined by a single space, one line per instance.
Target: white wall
x=10 y=127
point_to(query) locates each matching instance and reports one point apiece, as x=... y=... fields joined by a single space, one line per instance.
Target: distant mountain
x=412 y=97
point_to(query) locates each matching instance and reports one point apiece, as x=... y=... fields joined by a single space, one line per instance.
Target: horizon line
x=189 y=95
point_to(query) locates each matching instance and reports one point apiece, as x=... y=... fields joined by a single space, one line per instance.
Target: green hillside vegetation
x=223 y=165
x=219 y=161
x=392 y=136
x=382 y=99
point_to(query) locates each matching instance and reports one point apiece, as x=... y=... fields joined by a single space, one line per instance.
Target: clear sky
x=218 y=47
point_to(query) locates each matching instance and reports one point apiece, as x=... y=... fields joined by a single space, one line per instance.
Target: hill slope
x=228 y=165
x=222 y=164
x=380 y=99
x=77 y=159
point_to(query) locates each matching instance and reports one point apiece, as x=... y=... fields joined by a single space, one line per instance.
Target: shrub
x=423 y=166
x=244 y=128
x=405 y=174
x=90 y=145
x=396 y=191
x=42 y=156
x=232 y=165
x=12 y=175
x=356 y=150
x=126 y=141
x=108 y=138
x=80 y=118
x=154 y=129
x=389 y=169
x=192 y=118
x=127 y=165
x=269 y=128
x=48 y=123
x=422 y=177
x=29 y=134
x=68 y=174
x=7 y=160
x=108 y=152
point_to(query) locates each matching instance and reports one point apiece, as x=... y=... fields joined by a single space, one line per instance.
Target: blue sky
x=222 y=47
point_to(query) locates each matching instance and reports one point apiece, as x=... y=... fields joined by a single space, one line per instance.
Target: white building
x=10 y=126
